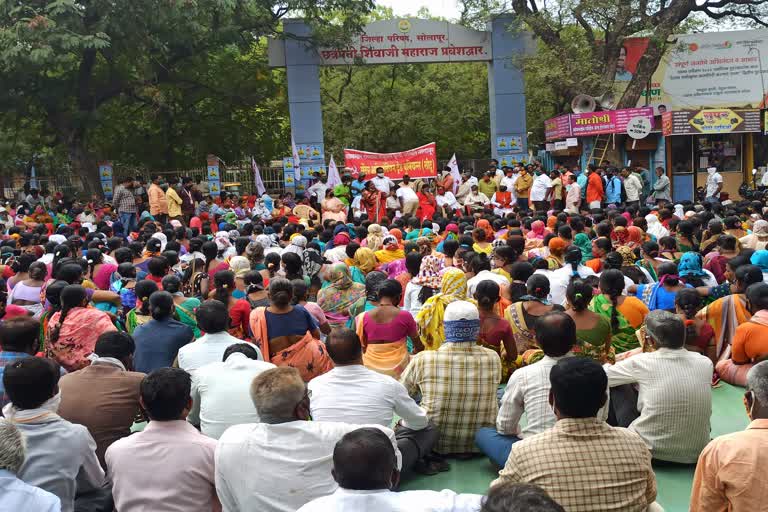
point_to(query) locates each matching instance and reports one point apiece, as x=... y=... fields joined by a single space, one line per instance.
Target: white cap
x=461 y=310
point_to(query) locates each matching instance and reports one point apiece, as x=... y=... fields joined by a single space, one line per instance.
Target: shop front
x=727 y=139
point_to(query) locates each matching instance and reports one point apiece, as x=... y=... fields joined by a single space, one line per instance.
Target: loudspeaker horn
x=583 y=103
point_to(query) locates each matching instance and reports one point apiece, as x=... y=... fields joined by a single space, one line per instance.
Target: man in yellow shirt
x=523 y=188
x=488 y=186
x=174 y=204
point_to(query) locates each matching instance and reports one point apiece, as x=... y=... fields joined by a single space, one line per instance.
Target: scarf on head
x=462 y=331
x=583 y=242
x=627 y=256
x=635 y=237
x=365 y=260
x=691 y=265
x=429 y=272
x=430 y=319
x=486 y=226
x=759 y=258
x=375 y=237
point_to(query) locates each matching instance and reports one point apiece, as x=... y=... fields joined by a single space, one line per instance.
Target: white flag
x=260 y=188
x=296 y=160
x=454 y=166
x=333 y=174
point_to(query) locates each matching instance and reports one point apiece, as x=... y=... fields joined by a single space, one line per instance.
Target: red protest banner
x=420 y=162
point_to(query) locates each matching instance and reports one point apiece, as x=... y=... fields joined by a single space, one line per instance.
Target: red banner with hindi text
x=420 y=162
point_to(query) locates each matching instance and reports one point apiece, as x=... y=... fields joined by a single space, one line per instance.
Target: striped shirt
x=528 y=391
x=585 y=465
x=458 y=385
x=674 y=401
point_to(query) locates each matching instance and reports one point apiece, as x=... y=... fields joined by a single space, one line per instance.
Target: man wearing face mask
x=286 y=442
x=381 y=182
x=158 y=204
x=730 y=474
x=542 y=184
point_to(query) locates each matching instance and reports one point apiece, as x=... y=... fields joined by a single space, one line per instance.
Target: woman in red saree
x=374 y=202
x=427 y=203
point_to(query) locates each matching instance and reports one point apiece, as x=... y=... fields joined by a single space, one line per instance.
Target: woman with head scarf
x=364 y=260
x=424 y=284
x=375 y=237
x=453 y=287
x=486 y=226
x=691 y=272
x=397 y=233
x=390 y=251
x=758 y=239
x=619 y=236
x=635 y=237
x=537 y=232
x=655 y=228
x=339 y=251
x=557 y=248
x=297 y=245
x=583 y=242
x=337 y=299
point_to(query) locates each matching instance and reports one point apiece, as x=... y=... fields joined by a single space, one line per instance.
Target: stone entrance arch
x=409 y=40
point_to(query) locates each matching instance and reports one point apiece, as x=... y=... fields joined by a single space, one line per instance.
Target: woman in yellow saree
x=384 y=330
x=453 y=287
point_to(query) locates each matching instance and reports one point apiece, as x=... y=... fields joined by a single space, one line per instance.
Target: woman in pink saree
x=73 y=331
x=332 y=208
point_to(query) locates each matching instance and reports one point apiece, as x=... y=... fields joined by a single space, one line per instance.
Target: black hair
x=479 y=262
x=165 y=393
x=241 y=243
x=487 y=294
x=373 y=280
x=573 y=257
x=253 y=279
x=30 y=381
x=344 y=346
x=117 y=344
x=123 y=255
x=612 y=285
x=364 y=459
x=579 y=293
x=161 y=305
x=391 y=289
x=171 y=283
x=727 y=242
x=515 y=497
x=521 y=271
x=154 y=245
x=71 y=297
x=604 y=244
x=747 y=275
x=669 y=269
x=144 y=290
x=20 y=334
x=651 y=249
x=293 y=266
x=450 y=247
x=224 y=282
x=157 y=266
x=272 y=262
x=22 y=263
x=538 y=286
x=70 y=272
x=413 y=263
x=280 y=292
x=506 y=254
x=300 y=290
x=248 y=349
x=93 y=257
x=578 y=386
x=351 y=249
x=38 y=271
x=555 y=333
x=211 y=251
x=212 y=316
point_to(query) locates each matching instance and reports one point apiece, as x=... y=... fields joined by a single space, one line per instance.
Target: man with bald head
x=351 y=393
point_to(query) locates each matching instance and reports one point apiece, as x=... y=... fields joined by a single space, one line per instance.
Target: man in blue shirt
x=14 y=493
x=18 y=339
x=581 y=180
x=613 y=187
x=358 y=185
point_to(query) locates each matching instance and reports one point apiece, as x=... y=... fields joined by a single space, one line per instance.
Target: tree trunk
x=84 y=164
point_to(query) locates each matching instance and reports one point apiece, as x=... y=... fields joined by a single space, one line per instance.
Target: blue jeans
x=130 y=222
x=496 y=446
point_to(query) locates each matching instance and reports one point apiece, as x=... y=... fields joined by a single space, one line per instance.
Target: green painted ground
x=674 y=484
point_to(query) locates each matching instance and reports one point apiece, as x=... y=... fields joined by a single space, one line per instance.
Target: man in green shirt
x=343 y=192
x=487 y=186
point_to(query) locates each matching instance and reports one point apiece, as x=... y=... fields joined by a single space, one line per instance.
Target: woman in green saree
x=593 y=331
x=625 y=314
x=185 y=306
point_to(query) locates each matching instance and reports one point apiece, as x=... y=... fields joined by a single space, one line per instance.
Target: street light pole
x=760 y=67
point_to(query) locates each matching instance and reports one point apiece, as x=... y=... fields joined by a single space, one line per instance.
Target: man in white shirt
x=381 y=182
x=573 y=195
x=351 y=393
x=674 y=396
x=633 y=187
x=283 y=462
x=221 y=392
x=485 y=275
x=475 y=201
x=528 y=391
x=714 y=185
x=540 y=189
x=446 y=201
x=364 y=466
x=509 y=180
x=407 y=196
x=213 y=320
x=318 y=189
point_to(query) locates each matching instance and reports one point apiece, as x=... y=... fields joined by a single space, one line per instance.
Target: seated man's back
x=285 y=461
x=105 y=395
x=584 y=464
x=458 y=381
x=169 y=465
